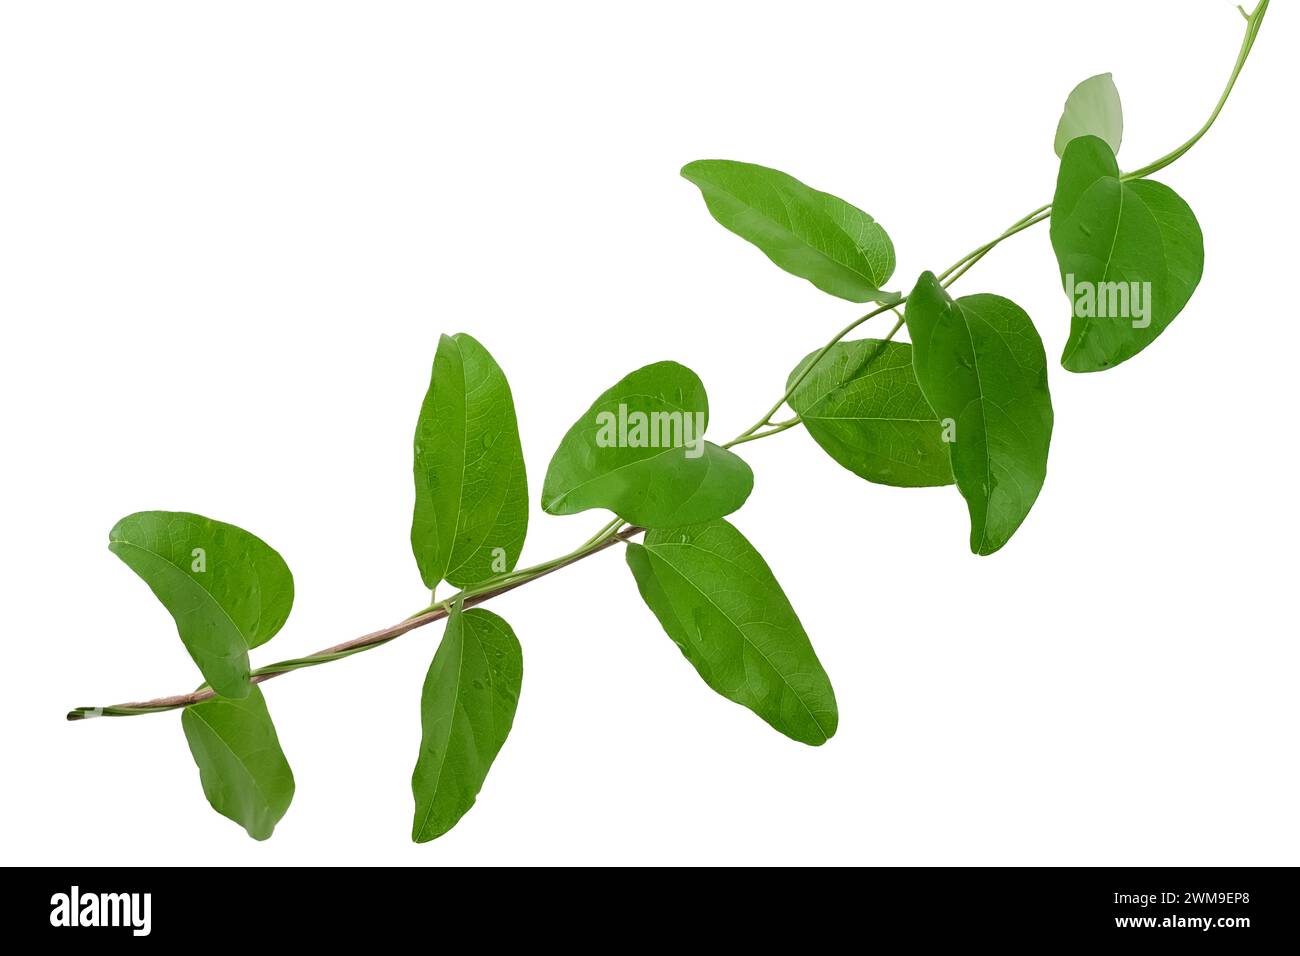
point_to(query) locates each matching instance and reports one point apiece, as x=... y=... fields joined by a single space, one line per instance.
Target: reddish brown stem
x=347 y=648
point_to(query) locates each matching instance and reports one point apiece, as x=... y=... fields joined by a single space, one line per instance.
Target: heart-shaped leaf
x=228 y=590
x=471 y=491
x=862 y=404
x=640 y=452
x=1092 y=109
x=1130 y=254
x=981 y=365
x=244 y=772
x=717 y=599
x=814 y=235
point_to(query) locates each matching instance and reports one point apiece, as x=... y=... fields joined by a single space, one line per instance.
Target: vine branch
x=355 y=646
x=615 y=532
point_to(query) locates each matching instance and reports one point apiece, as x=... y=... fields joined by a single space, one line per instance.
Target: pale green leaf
x=1092 y=109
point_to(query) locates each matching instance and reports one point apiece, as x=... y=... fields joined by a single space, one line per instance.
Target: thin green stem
x=975 y=255
x=298 y=663
x=522 y=574
x=775 y=429
x=767 y=418
x=1253 y=23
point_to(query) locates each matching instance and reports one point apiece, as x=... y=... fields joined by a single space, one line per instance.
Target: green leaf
x=640 y=452
x=244 y=772
x=862 y=404
x=717 y=599
x=982 y=368
x=228 y=590
x=466 y=710
x=837 y=247
x=1092 y=109
x=1130 y=254
x=471 y=492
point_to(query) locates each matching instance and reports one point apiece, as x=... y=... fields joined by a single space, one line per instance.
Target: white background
x=230 y=235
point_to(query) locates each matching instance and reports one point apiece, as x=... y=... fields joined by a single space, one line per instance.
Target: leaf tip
x=828 y=730
x=686 y=171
